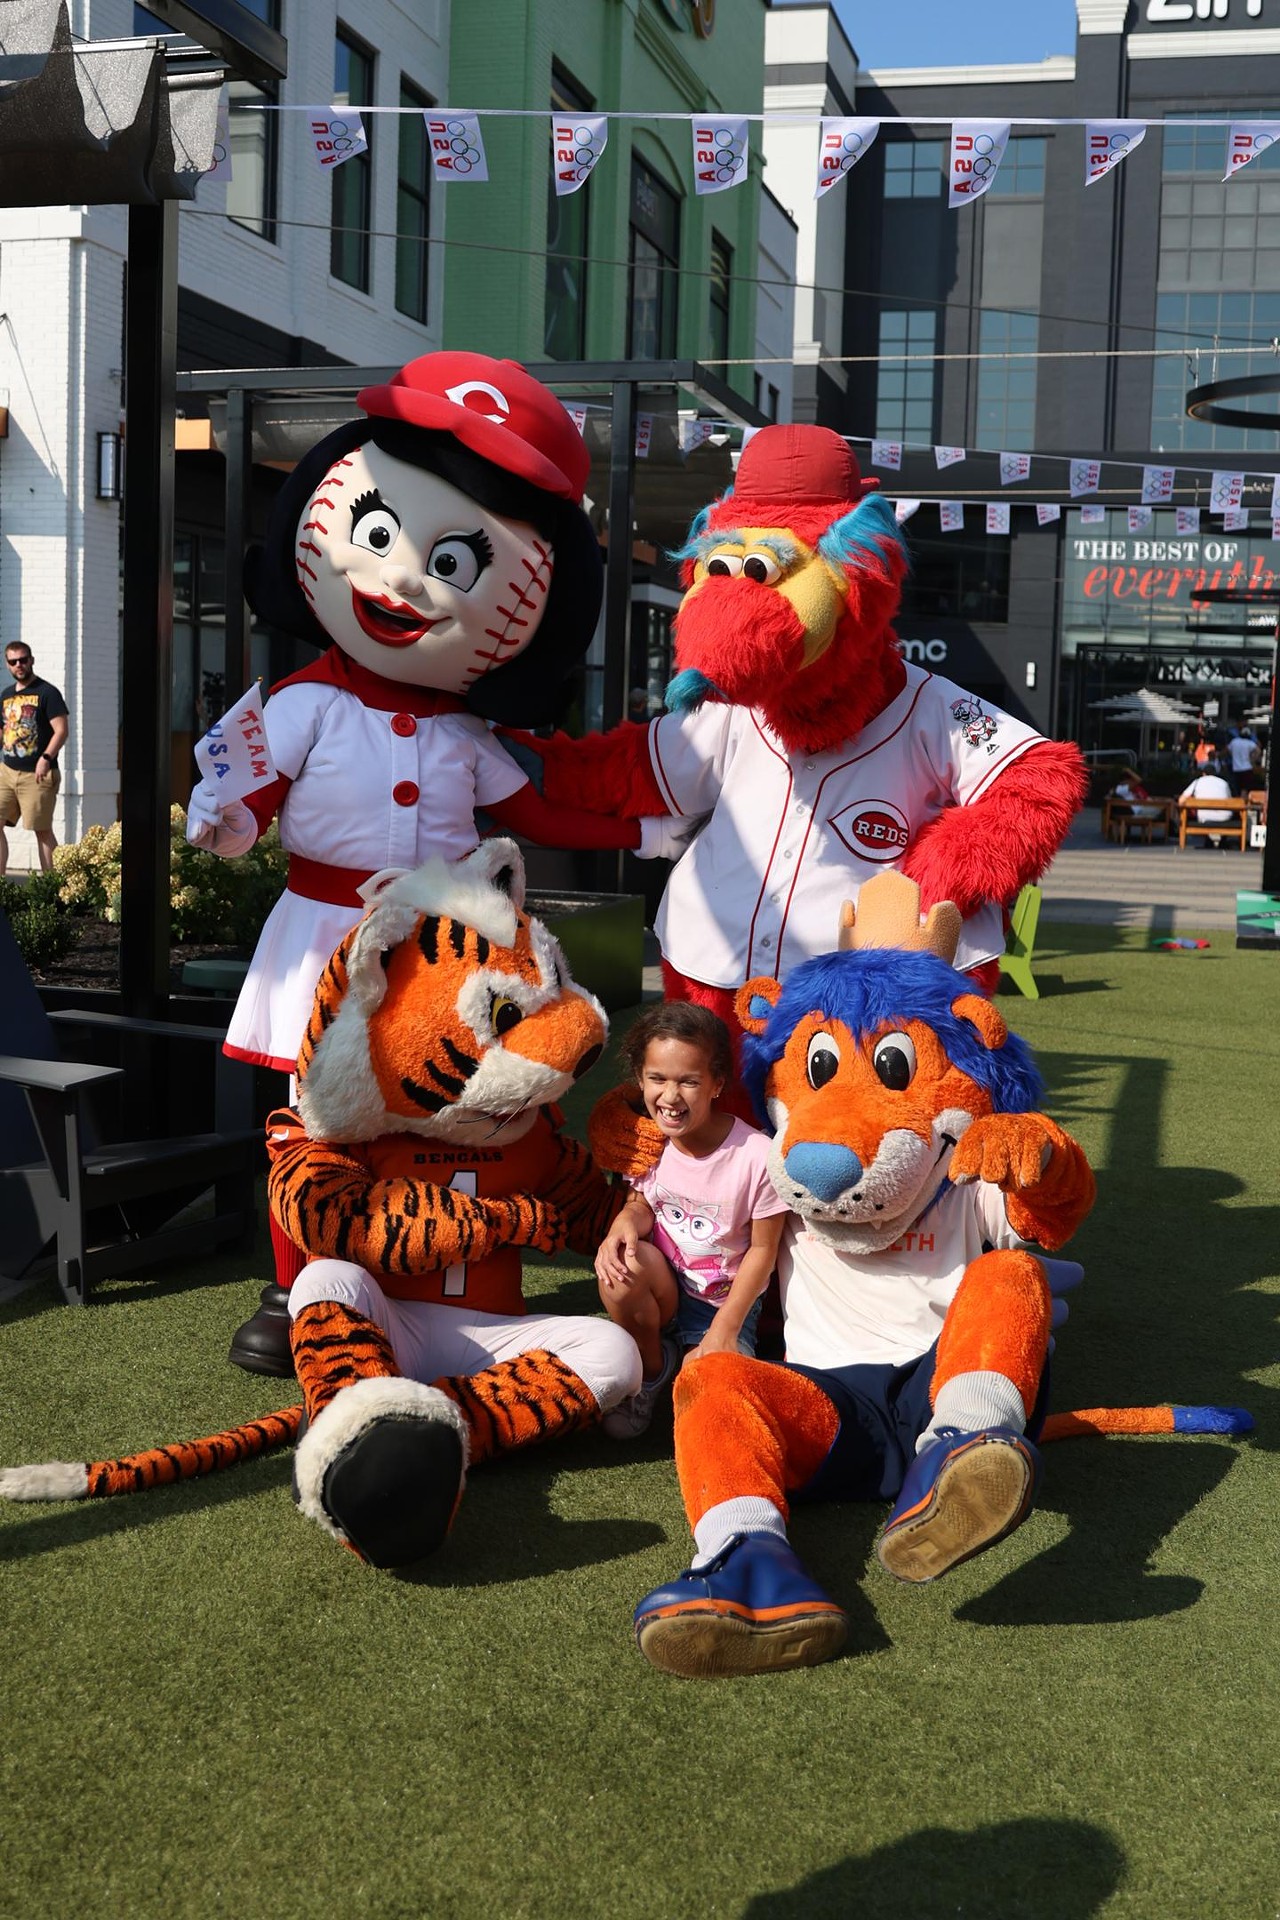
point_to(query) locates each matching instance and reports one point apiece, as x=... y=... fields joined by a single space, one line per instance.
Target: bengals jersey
x=429 y=1219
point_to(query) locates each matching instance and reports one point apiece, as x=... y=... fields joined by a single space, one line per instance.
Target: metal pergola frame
x=153 y=390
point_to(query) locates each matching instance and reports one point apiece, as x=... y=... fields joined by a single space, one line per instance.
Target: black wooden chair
x=107 y=1205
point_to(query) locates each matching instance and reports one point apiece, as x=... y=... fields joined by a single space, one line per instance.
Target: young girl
x=685 y=1264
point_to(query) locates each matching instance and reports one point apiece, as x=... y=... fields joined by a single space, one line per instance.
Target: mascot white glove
x=664 y=838
x=222 y=830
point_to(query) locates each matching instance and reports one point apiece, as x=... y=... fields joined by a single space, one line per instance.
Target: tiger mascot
x=917 y=1316
x=423 y=1156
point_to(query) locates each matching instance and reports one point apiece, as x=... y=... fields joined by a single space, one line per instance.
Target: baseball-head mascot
x=814 y=755
x=437 y=550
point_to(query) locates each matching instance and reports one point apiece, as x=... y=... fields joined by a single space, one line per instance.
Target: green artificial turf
x=210 y=1709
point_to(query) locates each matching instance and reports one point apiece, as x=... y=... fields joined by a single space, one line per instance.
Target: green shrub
x=42 y=927
x=209 y=899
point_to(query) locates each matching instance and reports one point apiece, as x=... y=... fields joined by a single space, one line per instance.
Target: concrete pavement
x=1159 y=889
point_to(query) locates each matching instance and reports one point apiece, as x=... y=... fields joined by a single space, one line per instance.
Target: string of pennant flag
x=720 y=149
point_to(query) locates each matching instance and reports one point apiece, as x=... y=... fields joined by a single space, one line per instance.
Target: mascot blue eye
x=894 y=1060
x=822 y=1062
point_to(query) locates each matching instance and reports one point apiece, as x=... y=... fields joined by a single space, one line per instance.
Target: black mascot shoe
x=382 y=1469
x=261 y=1345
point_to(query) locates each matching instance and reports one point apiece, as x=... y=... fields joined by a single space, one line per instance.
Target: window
x=413 y=204
x=904 y=393
x=353 y=180
x=721 y=277
x=961 y=576
x=1021 y=170
x=565 y=308
x=655 y=258
x=913 y=169
x=1007 y=385
x=1218 y=279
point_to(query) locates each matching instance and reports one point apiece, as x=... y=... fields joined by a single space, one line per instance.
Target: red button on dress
x=405 y=793
x=404 y=724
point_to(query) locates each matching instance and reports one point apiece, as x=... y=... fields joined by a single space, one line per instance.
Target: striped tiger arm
x=583 y=1195
x=329 y=1203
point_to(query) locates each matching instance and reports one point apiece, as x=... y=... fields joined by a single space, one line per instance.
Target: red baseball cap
x=791 y=472
x=496 y=408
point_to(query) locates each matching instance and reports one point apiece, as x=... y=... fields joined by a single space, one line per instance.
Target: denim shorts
x=694 y=1315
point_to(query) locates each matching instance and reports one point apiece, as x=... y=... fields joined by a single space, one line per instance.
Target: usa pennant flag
x=998 y=517
x=576 y=145
x=1246 y=140
x=695 y=433
x=1140 y=518
x=903 y=509
x=1107 y=143
x=1187 y=519
x=719 y=154
x=1085 y=476
x=1157 y=486
x=1014 y=466
x=1047 y=513
x=644 y=435
x=1275 y=498
x=948 y=456
x=886 y=453
x=841 y=144
x=977 y=148
x=1226 y=492
x=457 y=146
x=337 y=134
x=1092 y=516
x=577 y=412
x=1235 y=520
x=951 y=516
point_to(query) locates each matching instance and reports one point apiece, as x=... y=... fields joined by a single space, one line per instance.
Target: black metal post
x=151 y=332
x=617 y=586
x=239 y=467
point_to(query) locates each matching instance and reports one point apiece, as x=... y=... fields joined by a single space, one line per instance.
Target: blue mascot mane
x=873 y=987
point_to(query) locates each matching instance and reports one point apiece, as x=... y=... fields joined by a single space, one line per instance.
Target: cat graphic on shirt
x=687 y=1233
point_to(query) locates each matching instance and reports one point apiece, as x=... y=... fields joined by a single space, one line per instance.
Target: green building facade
x=634 y=265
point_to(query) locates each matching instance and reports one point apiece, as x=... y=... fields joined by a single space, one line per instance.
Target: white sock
x=973 y=1402
x=719 y=1524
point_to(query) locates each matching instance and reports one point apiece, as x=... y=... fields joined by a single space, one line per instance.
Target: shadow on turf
x=1031 y=1869
x=1119 y=1511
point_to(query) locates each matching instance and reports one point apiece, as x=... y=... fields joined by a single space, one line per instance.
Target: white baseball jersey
x=885 y=1309
x=370 y=790
x=790 y=836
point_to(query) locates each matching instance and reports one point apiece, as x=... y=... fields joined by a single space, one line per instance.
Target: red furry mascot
x=813 y=755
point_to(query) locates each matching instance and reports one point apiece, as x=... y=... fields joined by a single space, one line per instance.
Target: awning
x=92 y=123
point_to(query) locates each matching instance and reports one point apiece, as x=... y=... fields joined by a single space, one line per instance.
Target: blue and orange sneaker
x=753 y=1609
x=961 y=1494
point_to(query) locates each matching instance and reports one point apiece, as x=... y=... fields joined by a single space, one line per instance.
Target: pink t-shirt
x=703 y=1207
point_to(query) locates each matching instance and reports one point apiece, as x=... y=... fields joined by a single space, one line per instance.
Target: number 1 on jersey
x=455 y=1277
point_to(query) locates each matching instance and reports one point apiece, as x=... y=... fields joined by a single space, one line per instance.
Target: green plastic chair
x=1021 y=944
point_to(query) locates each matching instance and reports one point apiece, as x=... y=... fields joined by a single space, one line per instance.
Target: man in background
x=1209 y=786
x=33 y=732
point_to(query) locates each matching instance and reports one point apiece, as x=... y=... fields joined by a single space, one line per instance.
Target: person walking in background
x=33 y=732
x=1242 y=750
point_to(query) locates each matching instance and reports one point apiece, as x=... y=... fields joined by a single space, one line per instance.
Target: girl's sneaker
x=632 y=1416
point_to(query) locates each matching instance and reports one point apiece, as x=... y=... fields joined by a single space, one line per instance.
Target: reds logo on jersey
x=978 y=726
x=873 y=829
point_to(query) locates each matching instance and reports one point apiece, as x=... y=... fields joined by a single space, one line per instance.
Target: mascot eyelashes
x=815 y=754
x=437 y=549
x=423 y=1157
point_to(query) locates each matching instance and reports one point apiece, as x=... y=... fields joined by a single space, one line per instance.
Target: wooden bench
x=1236 y=827
x=1121 y=817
